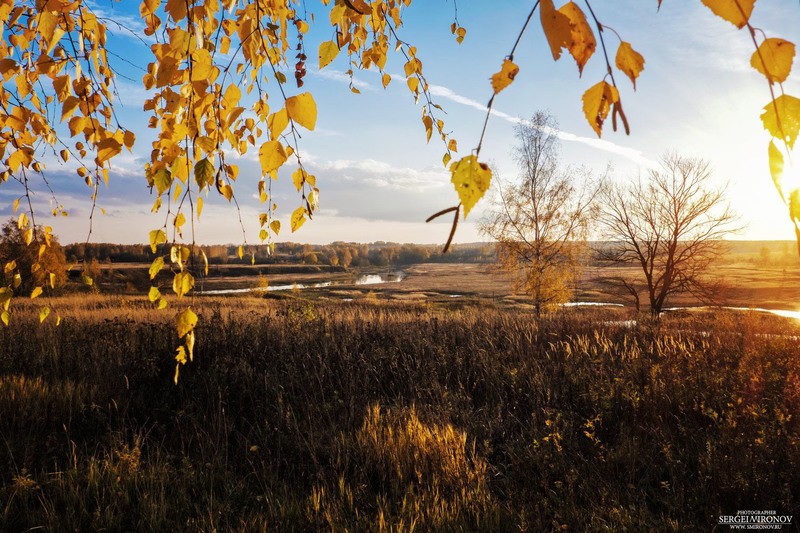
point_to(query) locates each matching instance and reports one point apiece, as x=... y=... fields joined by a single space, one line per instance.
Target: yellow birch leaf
x=180 y=168
x=199 y=206
x=385 y=79
x=4 y=316
x=43 y=314
x=156 y=266
x=328 y=51
x=471 y=180
x=154 y=294
x=597 y=102
x=157 y=237
x=205 y=261
x=162 y=180
x=129 y=139
x=69 y=106
x=303 y=110
x=190 y=345
x=788 y=109
x=774 y=59
x=583 y=44
x=275 y=226
x=232 y=95
x=182 y=283
x=298 y=178
x=201 y=65
x=162 y=303
x=360 y=6
x=502 y=79
x=23 y=157
x=36 y=292
x=277 y=122
x=556 y=26
x=185 y=322
x=629 y=61
x=427 y=121
x=227 y=191
x=52 y=280
x=204 y=173
x=9 y=69
x=776 y=168
x=413 y=84
x=58 y=319
x=107 y=148
x=298 y=218
x=240 y=251
x=737 y=12
x=271 y=155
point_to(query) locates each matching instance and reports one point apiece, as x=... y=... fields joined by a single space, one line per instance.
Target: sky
x=380 y=179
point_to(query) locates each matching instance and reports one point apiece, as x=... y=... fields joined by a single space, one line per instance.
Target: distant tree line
x=342 y=254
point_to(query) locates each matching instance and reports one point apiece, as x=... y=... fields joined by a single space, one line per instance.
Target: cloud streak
x=343 y=77
x=598 y=144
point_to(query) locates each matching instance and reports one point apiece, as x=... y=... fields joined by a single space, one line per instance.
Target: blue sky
x=379 y=179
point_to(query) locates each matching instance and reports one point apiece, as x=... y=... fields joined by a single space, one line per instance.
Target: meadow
x=306 y=414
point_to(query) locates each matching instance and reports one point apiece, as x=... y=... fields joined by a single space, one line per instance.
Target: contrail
x=607 y=146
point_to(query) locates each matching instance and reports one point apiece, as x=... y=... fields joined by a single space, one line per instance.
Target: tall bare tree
x=671 y=225
x=540 y=220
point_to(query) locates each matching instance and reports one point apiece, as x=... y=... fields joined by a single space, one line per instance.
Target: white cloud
x=382 y=174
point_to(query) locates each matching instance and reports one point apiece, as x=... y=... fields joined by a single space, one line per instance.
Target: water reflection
x=364 y=279
x=786 y=313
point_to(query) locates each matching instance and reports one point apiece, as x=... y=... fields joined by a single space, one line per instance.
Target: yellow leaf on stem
x=502 y=79
x=556 y=26
x=471 y=180
x=303 y=110
x=629 y=61
x=737 y=12
x=597 y=103
x=583 y=43
x=773 y=59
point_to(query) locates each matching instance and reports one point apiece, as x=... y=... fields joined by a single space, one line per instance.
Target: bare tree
x=540 y=221
x=670 y=225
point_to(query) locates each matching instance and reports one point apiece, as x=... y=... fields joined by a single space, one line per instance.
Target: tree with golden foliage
x=540 y=221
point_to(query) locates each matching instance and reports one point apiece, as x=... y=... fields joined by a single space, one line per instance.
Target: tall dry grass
x=364 y=416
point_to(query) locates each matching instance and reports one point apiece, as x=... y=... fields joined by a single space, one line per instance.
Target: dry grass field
x=437 y=403
x=371 y=415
